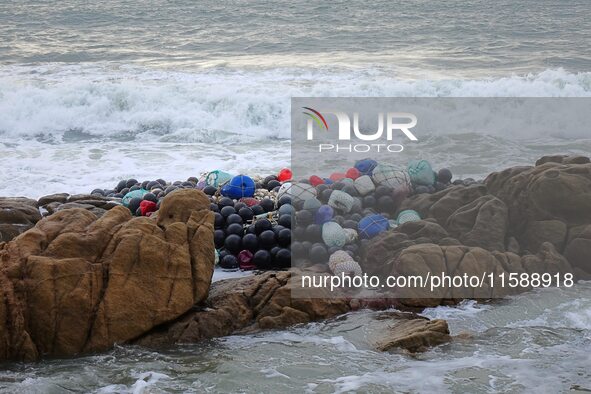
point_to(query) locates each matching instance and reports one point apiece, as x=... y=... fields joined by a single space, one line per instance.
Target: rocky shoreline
x=80 y=273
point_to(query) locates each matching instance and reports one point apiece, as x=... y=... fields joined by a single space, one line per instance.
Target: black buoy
x=121 y=185
x=262 y=225
x=318 y=254
x=267 y=204
x=284 y=237
x=233 y=218
x=257 y=209
x=235 y=228
x=267 y=239
x=229 y=262
x=227 y=211
x=225 y=202
x=130 y=182
x=218 y=220
x=209 y=190
x=305 y=217
x=150 y=197
x=134 y=204
x=250 y=242
x=233 y=243
x=219 y=236
x=262 y=259
x=285 y=221
x=273 y=184
x=282 y=258
x=314 y=232
x=246 y=214
x=214 y=207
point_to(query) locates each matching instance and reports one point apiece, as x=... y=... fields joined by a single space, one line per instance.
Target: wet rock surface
x=76 y=283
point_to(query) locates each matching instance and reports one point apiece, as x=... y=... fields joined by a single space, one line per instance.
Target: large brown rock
x=483 y=222
x=17 y=215
x=427 y=261
x=77 y=284
x=414 y=334
x=246 y=305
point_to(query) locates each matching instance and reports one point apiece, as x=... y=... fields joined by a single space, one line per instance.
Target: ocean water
x=91 y=93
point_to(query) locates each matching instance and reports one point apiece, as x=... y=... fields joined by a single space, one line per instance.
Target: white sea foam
x=218 y=104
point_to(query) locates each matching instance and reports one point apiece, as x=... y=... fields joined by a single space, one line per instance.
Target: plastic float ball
x=365 y=166
x=150 y=197
x=284 y=237
x=262 y=225
x=235 y=228
x=134 y=204
x=369 y=202
x=277 y=228
x=218 y=220
x=353 y=173
x=267 y=239
x=282 y=258
x=239 y=205
x=121 y=185
x=219 y=236
x=439 y=186
x=298 y=250
x=372 y=225
x=98 y=191
x=267 y=204
x=324 y=214
x=134 y=187
x=225 y=202
x=321 y=188
x=246 y=214
x=250 y=229
x=337 y=186
x=318 y=254
x=444 y=176
x=250 y=242
x=234 y=218
x=130 y=182
x=386 y=204
x=284 y=200
x=285 y=221
x=315 y=180
x=408 y=216
x=339 y=219
x=351 y=190
x=303 y=218
x=285 y=209
x=325 y=195
x=147 y=207
x=153 y=185
x=262 y=259
x=299 y=233
x=233 y=243
x=357 y=217
x=125 y=190
x=257 y=210
x=337 y=176
x=273 y=184
x=214 y=207
x=421 y=173
x=238 y=187
x=229 y=262
x=193 y=179
x=313 y=232
x=227 y=211
x=284 y=175
x=269 y=179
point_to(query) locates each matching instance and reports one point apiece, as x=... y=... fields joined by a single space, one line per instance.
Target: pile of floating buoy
x=331 y=217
